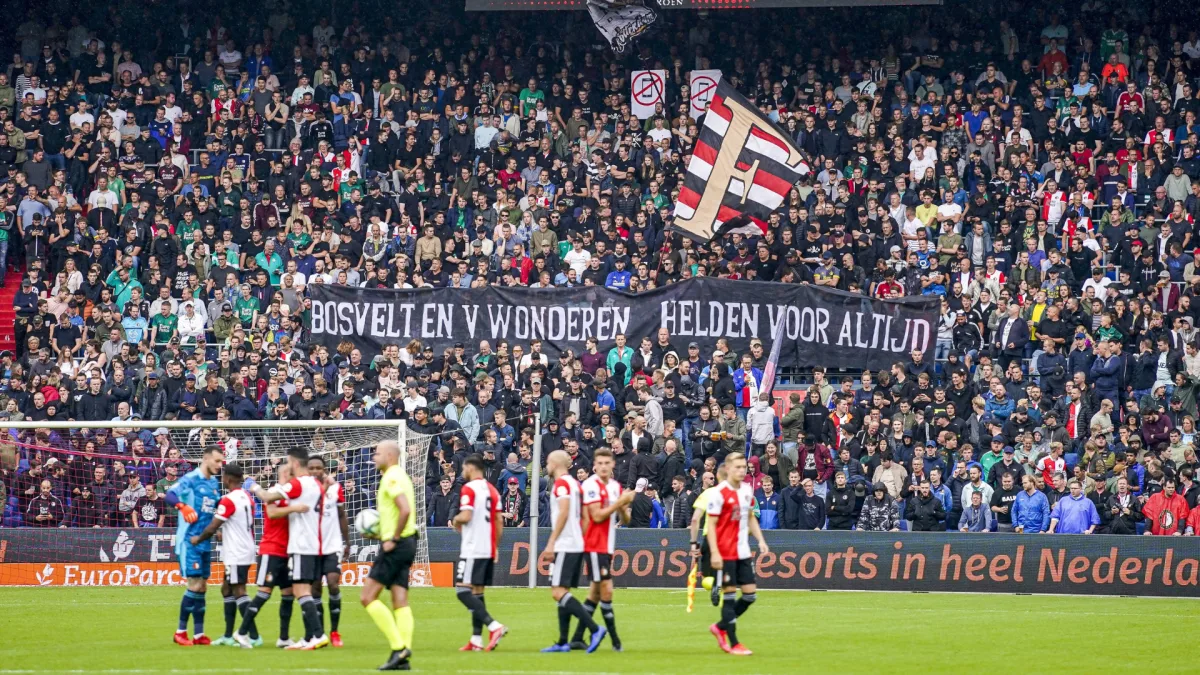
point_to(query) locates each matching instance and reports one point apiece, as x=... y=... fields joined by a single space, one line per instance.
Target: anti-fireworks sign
x=820 y=326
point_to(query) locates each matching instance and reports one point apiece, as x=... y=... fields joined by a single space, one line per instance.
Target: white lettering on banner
x=472 y=314
x=157 y=555
x=686 y=318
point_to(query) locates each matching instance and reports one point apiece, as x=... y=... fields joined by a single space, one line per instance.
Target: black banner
x=913 y=561
x=821 y=327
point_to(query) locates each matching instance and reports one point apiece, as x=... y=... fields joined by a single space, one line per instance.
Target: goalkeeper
x=700 y=540
x=195 y=497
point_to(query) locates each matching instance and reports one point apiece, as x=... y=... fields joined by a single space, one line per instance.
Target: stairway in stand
x=8 y=315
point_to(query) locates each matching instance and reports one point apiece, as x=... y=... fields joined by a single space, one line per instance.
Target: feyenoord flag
x=621 y=21
x=742 y=169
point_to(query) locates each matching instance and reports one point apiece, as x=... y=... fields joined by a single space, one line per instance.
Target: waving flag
x=742 y=168
x=768 y=380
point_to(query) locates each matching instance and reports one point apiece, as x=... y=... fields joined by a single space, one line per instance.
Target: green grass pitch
x=128 y=630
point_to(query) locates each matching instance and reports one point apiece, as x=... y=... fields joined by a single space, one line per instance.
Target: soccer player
x=335 y=547
x=273 y=569
x=479 y=521
x=700 y=538
x=730 y=520
x=565 y=549
x=398 y=550
x=605 y=504
x=235 y=519
x=304 y=541
x=195 y=497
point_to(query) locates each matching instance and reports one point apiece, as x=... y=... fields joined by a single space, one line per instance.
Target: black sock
x=610 y=621
x=249 y=626
x=476 y=624
x=479 y=614
x=231 y=611
x=320 y=612
x=335 y=610
x=243 y=604
x=590 y=608
x=579 y=612
x=312 y=618
x=728 y=621
x=744 y=603
x=564 y=624
x=285 y=615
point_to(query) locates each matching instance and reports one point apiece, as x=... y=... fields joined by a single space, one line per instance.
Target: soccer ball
x=367 y=523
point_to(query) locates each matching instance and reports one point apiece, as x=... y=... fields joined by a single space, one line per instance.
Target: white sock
x=494 y=625
x=477 y=640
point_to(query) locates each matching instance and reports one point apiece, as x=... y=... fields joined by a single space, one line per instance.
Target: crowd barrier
x=859 y=561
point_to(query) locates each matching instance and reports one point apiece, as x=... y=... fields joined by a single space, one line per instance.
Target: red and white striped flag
x=742 y=168
x=768 y=381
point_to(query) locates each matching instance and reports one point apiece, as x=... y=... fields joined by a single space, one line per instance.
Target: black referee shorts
x=706 y=569
x=392 y=568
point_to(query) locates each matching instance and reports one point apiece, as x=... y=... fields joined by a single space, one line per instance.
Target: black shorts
x=736 y=573
x=564 y=573
x=392 y=569
x=273 y=572
x=706 y=569
x=237 y=575
x=599 y=567
x=305 y=568
x=475 y=571
x=329 y=563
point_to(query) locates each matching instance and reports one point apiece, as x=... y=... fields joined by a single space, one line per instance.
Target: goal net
x=83 y=503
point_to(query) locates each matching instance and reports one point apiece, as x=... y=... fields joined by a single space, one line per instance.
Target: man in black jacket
x=812 y=507
x=788 y=497
x=925 y=511
x=444 y=503
x=839 y=504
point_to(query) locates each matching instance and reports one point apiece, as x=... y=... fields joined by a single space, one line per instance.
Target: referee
x=398 y=550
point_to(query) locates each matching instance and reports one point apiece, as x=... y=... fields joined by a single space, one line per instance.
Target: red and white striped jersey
x=479 y=533
x=236 y=513
x=331 y=525
x=570 y=540
x=275 y=532
x=304 y=529
x=732 y=507
x=1054 y=204
x=600 y=537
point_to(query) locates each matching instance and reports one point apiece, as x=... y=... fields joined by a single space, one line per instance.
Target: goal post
x=107 y=480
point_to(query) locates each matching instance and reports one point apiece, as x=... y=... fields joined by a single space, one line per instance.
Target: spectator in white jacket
x=762 y=424
x=652 y=411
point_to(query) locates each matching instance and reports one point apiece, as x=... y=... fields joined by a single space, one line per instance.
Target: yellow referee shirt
x=395 y=483
x=702 y=505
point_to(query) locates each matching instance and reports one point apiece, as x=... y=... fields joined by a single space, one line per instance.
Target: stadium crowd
x=172 y=184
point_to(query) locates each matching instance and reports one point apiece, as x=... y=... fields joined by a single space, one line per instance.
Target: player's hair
x=235 y=471
x=603 y=452
x=732 y=457
x=722 y=473
x=475 y=461
x=318 y=458
x=211 y=449
x=298 y=453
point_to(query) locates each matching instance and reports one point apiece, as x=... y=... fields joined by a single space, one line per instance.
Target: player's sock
x=572 y=605
x=744 y=603
x=231 y=611
x=728 y=621
x=285 y=615
x=185 y=611
x=564 y=623
x=243 y=605
x=386 y=622
x=199 y=606
x=405 y=624
x=479 y=613
x=335 y=610
x=476 y=626
x=312 y=618
x=320 y=611
x=590 y=608
x=610 y=621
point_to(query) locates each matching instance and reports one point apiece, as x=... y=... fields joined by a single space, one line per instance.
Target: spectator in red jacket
x=1166 y=512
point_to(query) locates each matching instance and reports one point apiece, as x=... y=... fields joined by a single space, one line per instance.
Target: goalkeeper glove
x=249 y=484
x=186 y=512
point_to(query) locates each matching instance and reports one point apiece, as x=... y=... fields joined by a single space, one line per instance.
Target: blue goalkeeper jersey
x=202 y=494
